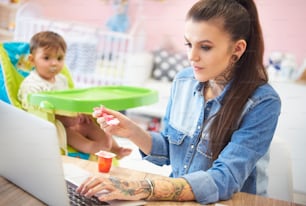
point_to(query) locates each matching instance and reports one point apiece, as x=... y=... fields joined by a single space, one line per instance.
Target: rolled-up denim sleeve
x=160 y=150
x=205 y=190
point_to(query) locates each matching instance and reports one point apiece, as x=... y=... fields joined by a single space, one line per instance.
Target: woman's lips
x=197 y=68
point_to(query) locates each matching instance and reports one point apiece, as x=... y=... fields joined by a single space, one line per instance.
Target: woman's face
x=209 y=49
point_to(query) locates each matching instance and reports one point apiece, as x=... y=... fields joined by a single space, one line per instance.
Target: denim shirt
x=183 y=143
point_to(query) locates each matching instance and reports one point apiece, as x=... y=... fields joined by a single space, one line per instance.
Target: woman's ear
x=239 y=48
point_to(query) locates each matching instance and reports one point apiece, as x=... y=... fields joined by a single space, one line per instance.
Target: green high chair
x=15 y=67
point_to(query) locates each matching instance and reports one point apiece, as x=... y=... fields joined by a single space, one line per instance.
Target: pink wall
x=284 y=26
x=283 y=21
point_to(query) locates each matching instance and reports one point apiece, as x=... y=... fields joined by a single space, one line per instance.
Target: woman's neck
x=213 y=88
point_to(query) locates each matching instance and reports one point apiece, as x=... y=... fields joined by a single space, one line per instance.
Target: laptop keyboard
x=79 y=200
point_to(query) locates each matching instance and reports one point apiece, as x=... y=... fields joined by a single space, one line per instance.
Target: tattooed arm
x=175 y=189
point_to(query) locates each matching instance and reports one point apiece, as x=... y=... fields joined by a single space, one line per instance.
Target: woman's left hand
x=112 y=188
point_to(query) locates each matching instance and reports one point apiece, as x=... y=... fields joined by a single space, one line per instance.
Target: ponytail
x=241 y=21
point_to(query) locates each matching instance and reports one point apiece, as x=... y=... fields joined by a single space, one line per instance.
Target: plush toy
x=282 y=66
x=275 y=60
x=289 y=67
x=119 y=22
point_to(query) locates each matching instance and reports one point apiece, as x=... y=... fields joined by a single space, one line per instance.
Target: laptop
x=30 y=158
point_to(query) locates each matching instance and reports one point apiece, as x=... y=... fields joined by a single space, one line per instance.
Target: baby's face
x=48 y=63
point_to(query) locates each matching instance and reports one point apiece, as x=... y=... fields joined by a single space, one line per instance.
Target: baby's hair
x=48 y=40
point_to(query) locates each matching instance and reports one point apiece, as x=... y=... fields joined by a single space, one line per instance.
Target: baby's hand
x=84 y=119
x=109 y=119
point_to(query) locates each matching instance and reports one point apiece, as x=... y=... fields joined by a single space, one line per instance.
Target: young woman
x=220 y=119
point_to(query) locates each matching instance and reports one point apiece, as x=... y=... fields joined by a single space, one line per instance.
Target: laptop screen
x=29 y=155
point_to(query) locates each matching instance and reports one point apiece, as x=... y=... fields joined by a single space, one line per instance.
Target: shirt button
x=185 y=166
x=199 y=127
x=192 y=146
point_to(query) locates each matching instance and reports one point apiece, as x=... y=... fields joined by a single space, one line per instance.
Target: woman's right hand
x=124 y=127
x=112 y=188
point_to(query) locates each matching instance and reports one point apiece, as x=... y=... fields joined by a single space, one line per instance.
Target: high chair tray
x=84 y=100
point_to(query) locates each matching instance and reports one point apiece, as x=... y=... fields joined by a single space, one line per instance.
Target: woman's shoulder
x=265 y=91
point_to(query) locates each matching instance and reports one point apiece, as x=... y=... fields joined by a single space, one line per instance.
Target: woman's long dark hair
x=240 y=20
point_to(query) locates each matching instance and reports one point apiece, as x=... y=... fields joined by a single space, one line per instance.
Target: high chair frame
x=14 y=68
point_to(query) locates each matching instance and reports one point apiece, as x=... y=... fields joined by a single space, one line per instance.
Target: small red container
x=105 y=160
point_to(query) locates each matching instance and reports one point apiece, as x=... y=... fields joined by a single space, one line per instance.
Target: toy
x=282 y=66
x=119 y=22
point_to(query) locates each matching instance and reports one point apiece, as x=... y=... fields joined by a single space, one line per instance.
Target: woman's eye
x=60 y=58
x=46 y=58
x=188 y=45
x=205 y=48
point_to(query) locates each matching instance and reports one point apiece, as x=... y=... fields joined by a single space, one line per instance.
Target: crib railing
x=95 y=57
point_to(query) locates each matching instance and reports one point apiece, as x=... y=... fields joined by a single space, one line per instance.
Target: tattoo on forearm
x=131 y=188
x=169 y=189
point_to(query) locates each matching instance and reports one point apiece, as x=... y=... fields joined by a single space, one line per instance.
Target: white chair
x=280 y=184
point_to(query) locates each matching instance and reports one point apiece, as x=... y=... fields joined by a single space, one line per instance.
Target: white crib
x=95 y=57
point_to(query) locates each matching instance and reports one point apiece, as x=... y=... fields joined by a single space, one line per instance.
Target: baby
x=47 y=54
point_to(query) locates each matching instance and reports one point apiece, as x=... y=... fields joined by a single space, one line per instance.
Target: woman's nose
x=193 y=55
